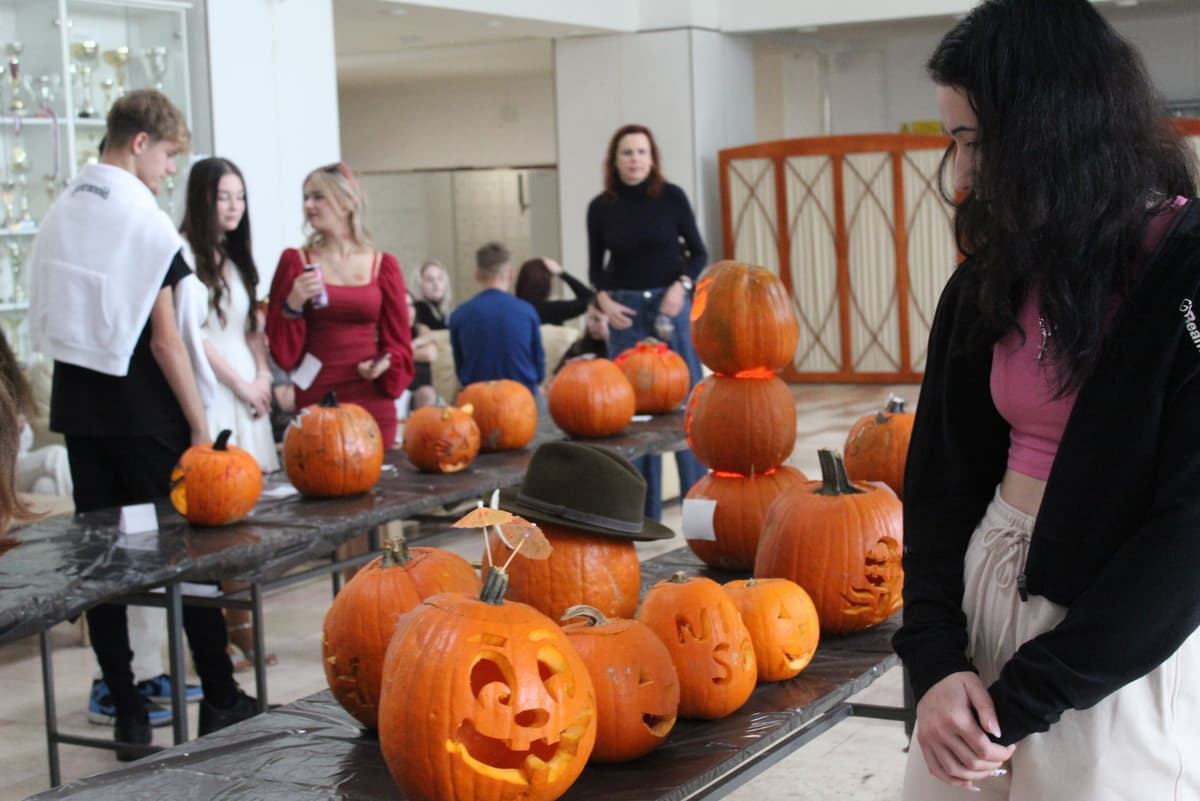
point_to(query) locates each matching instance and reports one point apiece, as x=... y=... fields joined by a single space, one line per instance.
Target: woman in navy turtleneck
x=646 y=228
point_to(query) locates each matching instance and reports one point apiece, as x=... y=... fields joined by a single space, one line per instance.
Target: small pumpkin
x=484 y=700
x=743 y=319
x=583 y=568
x=360 y=621
x=877 y=446
x=591 y=397
x=782 y=621
x=839 y=541
x=637 y=688
x=333 y=449
x=741 y=506
x=708 y=641
x=741 y=425
x=215 y=483
x=659 y=376
x=441 y=439
x=504 y=410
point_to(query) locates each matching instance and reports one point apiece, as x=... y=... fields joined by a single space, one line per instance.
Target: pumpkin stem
x=591 y=614
x=395 y=552
x=833 y=475
x=895 y=405
x=494 y=586
x=222 y=443
x=679 y=577
x=330 y=400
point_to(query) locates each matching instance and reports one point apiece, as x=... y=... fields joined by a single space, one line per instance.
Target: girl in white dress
x=216 y=226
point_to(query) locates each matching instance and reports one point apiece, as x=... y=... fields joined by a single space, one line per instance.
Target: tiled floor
x=858 y=760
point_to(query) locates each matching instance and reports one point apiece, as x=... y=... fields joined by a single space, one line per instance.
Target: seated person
x=593 y=340
x=433 y=307
x=495 y=335
x=425 y=351
x=533 y=286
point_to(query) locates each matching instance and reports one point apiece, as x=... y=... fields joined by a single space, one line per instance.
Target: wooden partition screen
x=858 y=230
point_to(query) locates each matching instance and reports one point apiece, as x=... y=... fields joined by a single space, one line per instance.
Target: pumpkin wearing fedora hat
x=588 y=501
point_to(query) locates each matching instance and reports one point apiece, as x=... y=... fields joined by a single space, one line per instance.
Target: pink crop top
x=1023 y=386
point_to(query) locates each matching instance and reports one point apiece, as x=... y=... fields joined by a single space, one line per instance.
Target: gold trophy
x=16 y=100
x=86 y=54
x=118 y=59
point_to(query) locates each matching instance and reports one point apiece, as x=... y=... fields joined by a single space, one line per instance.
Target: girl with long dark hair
x=1052 y=493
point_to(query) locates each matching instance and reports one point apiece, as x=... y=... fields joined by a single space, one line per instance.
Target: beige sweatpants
x=1142 y=743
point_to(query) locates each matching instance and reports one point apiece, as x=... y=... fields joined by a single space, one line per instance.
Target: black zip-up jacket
x=1117 y=538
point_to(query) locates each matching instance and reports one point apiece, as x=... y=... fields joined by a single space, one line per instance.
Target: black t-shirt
x=85 y=402
x=428 y=314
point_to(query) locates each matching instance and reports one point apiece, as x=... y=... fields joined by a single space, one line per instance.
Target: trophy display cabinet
x=65 y=63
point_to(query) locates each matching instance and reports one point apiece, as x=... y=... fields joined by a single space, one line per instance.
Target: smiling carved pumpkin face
x=484 y=701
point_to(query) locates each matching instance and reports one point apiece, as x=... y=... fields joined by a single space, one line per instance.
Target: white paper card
x=306 y=373
x=282 y=491
x=138 y=517
x=698 y=519
x=641 y=418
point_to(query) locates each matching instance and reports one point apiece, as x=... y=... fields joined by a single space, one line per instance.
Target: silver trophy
x=86 y=54
x=118 y=59
x=47 y=90
x=155 y=60
x=16 y=257
x=18 y=166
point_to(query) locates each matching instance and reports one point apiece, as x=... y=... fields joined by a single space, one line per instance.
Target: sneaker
x=158 y=690
x=213 y=718
x=103 y=712
x=132 y=732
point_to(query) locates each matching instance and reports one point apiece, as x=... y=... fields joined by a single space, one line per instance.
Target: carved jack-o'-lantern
x=708 y=641
x=441 y=439
x=839 y=541
x=484 y=699
x=782 y=621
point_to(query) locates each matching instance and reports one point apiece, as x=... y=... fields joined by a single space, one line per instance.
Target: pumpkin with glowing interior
x=743 y=319
x=744 y=425
x=782 y=621
x=740 y=506
x=484 y=700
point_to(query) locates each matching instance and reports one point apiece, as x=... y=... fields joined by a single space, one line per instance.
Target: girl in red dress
x=361 y=337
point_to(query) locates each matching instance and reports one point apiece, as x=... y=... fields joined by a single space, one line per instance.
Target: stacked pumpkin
x=741 y=421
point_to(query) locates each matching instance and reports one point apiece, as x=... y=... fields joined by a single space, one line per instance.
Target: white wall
x=449 y=123
x=274 y=108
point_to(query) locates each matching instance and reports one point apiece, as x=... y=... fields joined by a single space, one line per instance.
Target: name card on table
x=138 y=527
x=698 y=519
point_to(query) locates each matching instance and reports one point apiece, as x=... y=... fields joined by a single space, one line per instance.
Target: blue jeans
x=645 y=305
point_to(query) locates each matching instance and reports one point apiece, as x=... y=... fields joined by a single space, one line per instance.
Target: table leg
x=49 y=707
x=260 y=645
x=175 y=653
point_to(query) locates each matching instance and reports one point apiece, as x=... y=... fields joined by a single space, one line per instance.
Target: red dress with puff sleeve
x=360 y=322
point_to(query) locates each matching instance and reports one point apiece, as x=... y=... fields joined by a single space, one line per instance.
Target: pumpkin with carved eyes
x=708 y=642
x=441 y=439
x=782 y=621
x=841 y=542
x=333 y=449
x=484 y=700
x=637 y=688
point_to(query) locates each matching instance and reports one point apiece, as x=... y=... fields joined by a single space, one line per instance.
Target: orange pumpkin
x=741 y=507
x=839 y=541
x=741 y=425
x=505 y=412
x=583 y=568
x=360 y=621
x=637 y=688
x=659 y=376
x=743 y=319
x=591 y=398
x=441 y=439
x=484 y=700
x=877 y=446
x=708 y=641
x=215 y=483
x=333 y=449
x=782 y=621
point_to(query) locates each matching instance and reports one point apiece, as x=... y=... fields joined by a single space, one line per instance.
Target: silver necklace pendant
x=1046 y=334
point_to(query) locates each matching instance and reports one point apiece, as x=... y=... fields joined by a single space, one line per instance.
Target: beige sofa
x=555 y=341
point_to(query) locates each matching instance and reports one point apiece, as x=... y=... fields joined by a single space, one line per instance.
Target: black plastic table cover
x=52 y=570
x=311 y=749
